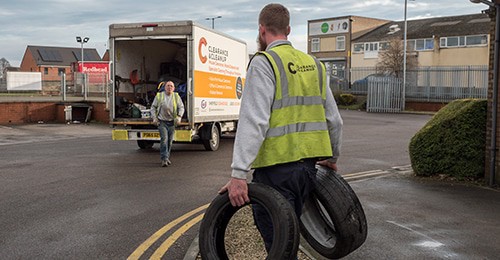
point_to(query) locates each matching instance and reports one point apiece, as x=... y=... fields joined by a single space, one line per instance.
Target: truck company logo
x=239 y=87
x=298 y=68
x=203 y=42
x=203 y=104
x=214 y=53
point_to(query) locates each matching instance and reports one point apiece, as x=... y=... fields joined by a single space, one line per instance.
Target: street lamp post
x=82 y=41
x=213 y=19
x=494 y=4
x=404 y=54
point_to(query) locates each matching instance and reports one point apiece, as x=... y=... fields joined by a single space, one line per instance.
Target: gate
x=385 y=95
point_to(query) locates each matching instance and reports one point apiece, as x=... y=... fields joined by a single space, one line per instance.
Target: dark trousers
x=293 y=180
x=167 y=130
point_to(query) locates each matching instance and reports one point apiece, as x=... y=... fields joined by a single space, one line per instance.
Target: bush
x=344 y=99
x=348 y=99
x=453 y=142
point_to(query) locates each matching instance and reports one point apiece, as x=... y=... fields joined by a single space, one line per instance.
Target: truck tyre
x=285 y=223
x=333 y=221
x=145 y=144
x=211 y=137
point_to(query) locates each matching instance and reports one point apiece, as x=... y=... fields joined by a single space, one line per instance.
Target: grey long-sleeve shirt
x=255 y=111
x=164 y=109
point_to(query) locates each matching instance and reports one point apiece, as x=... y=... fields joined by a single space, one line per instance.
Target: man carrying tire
x=288 y=123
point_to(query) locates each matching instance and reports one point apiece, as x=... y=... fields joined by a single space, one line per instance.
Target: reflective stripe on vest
x=160 y=96
x=297 y=127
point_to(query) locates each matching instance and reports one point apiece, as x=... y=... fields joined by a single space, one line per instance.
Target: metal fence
x=3 y=85
x=430 y=84
x=385 y=95
x=89 y=85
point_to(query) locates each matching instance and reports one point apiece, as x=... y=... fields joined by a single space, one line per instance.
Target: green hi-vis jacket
x=298 y=127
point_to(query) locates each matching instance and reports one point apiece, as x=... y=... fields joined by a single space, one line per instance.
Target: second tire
x=333 y=221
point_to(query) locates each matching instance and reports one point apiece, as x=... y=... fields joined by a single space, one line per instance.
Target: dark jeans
x=167 y=130
x=293 y=180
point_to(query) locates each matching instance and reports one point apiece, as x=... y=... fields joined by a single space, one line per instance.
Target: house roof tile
x=61 y=56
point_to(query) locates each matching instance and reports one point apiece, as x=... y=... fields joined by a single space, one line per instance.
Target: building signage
x=329 y=27
x=97 y=72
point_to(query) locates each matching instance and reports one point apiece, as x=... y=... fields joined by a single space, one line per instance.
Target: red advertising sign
x=97 y=72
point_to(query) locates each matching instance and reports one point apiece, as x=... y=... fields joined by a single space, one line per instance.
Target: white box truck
x=207 y=67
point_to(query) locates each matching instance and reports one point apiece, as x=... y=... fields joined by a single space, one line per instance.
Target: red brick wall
x=28 y=63
x=32 y=112
x=26 y=112
x=100 y=113
x=424 y=106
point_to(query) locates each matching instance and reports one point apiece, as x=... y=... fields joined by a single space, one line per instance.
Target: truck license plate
x=150 y=135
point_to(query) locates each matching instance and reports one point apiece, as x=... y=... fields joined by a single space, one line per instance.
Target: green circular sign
x=324 y=28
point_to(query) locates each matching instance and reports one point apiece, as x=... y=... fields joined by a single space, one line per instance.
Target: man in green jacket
x=288 y=123
x=167 y=110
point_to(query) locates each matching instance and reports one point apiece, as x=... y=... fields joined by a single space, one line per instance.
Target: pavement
x=408 y=217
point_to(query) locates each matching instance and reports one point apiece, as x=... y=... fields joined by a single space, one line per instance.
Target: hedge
x=452 y=142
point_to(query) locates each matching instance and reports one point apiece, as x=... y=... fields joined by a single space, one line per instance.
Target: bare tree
x=4 y=63
x=391 y=60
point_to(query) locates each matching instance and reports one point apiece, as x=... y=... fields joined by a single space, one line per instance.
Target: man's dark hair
x=276 y=18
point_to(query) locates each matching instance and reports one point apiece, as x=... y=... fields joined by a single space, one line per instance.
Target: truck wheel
x=211 y=137
x=145 y=144
x=285 y=223
x=333 y=221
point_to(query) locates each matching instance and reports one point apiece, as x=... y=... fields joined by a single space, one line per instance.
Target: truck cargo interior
x=140 y=65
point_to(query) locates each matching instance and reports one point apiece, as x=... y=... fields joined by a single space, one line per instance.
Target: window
x=340 y=43
x=442 y=42
x=358 y=47
x=462 y=41
x=46 y=71
x=429 y=44
x=452 y=42
x=315 y=45
x=410 y=45
x=371 y=46
x=371 y=50
x=61 y=71
x=476 y=40
x=384 y=46
x=424 y=44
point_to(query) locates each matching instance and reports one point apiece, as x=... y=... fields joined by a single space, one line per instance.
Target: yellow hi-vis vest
x=160 y=96
x=297 y=127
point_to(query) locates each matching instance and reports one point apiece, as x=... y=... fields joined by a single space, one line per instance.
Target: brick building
x=330 y=40
x=52 y=61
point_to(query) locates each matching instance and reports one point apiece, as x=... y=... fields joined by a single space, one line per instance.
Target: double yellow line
x=160 y=251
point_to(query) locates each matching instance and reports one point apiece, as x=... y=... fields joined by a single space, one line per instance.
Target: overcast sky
x=58 y=22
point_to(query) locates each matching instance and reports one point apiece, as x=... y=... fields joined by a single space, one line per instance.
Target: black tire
x=333 y=221
x=211 y=137
x=286 y=228
x=145 y=144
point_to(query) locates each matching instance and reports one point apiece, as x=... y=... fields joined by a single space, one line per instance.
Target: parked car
x=361 y=85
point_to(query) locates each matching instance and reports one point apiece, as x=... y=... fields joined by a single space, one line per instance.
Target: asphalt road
x=68 y=191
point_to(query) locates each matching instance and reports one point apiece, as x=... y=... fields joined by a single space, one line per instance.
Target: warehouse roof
x=472 y=24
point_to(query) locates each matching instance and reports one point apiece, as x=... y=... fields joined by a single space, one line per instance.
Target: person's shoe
x=169 y=162
x=164 y=163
